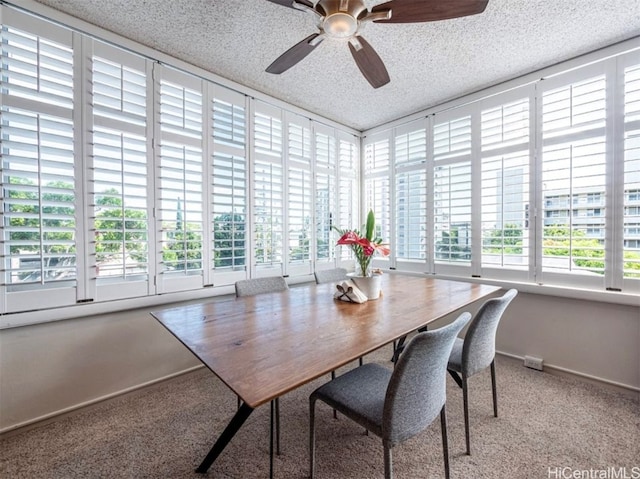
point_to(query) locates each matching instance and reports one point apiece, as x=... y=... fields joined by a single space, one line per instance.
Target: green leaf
x=371 y=223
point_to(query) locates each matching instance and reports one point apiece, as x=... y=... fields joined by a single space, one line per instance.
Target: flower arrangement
x=363 y=246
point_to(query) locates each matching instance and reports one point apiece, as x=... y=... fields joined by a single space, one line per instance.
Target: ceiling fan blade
x=293 y=55
x=369 y=62
x=289 y=3
x=416 y=11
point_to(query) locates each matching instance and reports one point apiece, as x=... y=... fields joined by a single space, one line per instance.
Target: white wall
x=53 y=367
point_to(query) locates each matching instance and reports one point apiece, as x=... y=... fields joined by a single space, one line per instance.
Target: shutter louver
x=452 y=138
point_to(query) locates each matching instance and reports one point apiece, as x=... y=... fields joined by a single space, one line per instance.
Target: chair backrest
x=251 y=287
x=417 y=388
x=330 y=275
x=479 y=347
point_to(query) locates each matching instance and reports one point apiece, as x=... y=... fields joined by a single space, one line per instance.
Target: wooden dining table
x=264 y=346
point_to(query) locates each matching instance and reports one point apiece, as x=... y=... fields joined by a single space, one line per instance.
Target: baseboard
x=55 y=415
x=633 y=391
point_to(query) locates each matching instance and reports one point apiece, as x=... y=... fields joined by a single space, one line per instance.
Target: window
x=229 y=186
x=574 y=167
x=631 y=194
x=349 y=189
x=505 y=145
x=135 y=179
x=180 y=176
x=452 y=192
x=411 y=191
x=268 y=183
x=325 y=204
x=39 y=170
x=538 y=184
x=377 y=186
x=119 y=169
x=299 y=195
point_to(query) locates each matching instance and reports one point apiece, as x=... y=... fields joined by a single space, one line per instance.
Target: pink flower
x=349 y=238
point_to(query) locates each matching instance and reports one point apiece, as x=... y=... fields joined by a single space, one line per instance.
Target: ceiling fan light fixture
x=340 y=25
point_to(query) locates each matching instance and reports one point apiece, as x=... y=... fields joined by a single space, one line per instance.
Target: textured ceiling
x=429 y=63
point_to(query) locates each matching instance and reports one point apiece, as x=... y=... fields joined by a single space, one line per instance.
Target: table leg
x=236 y=422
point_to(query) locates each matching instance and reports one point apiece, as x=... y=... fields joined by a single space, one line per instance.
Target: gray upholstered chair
x=252 y=287
x=330 y=275
x=477 y=351
x=395 y=405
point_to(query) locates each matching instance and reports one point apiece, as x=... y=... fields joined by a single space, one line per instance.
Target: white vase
x=369 y=285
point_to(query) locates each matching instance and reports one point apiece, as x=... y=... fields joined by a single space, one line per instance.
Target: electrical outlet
x=533 y=363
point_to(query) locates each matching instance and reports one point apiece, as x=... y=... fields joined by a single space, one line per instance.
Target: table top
x=267 y=345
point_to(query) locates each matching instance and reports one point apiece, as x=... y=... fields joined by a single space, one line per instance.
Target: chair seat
x=358 y=394
x=455 y=360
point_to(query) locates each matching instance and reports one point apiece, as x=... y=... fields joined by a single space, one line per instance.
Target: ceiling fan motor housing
x=340 y=16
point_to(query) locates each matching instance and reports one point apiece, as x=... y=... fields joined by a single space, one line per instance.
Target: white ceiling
x=429 y=63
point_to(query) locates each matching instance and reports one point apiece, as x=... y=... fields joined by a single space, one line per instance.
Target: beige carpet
x=548 y=427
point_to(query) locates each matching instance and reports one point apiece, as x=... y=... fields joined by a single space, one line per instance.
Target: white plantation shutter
x=119 y=171
x=452 y=199
x=348 y=191
x=377 y=187
x=300 y=214
x=38 y=165
x=229 y=186
x=505 y=146
x=452 y=212
x=181 y=181
x=268 y=190
x=631 y=194
x=452 y=138
x=574 y=178
x=325 y=190
x=411 y=190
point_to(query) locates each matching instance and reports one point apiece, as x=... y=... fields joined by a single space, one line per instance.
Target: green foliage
x=504 y=241
x=119 y=231
x=448 y=248
x=184 y=249
x=229 y=240
x=48 y=231
x=587 y=253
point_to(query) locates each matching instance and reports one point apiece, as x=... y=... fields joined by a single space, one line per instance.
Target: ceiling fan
x=343 y=19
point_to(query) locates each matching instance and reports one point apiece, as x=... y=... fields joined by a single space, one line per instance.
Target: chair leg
x=360 y=361
x=277 y=401
x=335 y=413
x=445 y=440
x=388 y=465
x=271 y=431
x=312 y=437
x=465 y=402
x=493 y=388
